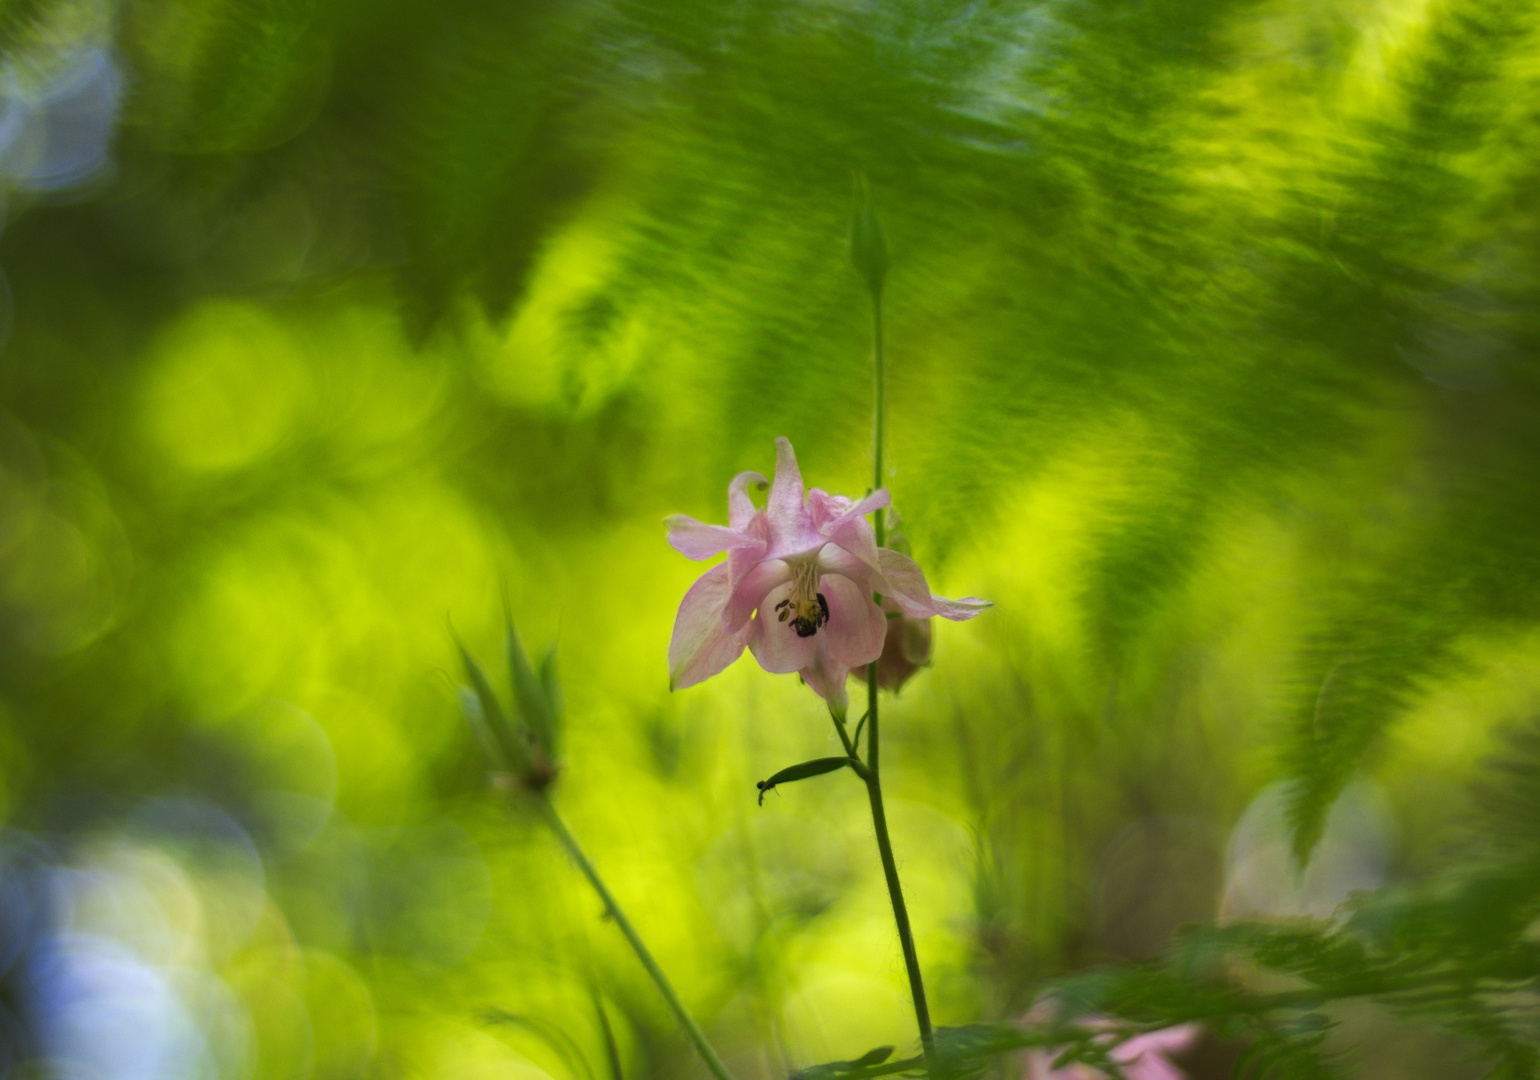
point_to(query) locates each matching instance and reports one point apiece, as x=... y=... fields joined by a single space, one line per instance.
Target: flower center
x=806 y=607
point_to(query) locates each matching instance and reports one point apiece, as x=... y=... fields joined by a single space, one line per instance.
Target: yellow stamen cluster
x=805 y=607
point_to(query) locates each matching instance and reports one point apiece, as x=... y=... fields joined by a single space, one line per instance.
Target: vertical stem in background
x=879 y=425
x=568 y=841
x=873 y=743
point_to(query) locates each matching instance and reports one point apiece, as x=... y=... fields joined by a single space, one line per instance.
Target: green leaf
x=553 y=1036
x=515 y=752
x=816 y=767
x=475 y=717
x=834 y=1069
x=611 y=1049
x=828 y=1071
x=874 y=1057
x=244 y=75
x=551 y=685
x=965 y=1051
x=529 y=693
x=802 y=771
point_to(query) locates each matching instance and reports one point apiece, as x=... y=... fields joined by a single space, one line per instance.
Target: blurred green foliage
x=1212 y=330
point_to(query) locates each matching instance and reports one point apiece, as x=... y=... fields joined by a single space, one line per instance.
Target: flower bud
x=905 y=650
x=521 y=742
x=537 y=698
x=868 y=243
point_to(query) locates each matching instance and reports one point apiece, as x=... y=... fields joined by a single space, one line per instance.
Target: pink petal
x=906 y=584
x=856 y=626
x=826 y=677
x=1171 y=1040
x=701 y=647
x=741 y=560
x=740 y=508
x=1166 y=1040
x=697 y=540
x=775 y=644
x=853 y=532
x=825 y=507
x=786 y=491
x=791 y=525
x=877 y=500
x=1142 y=1057
x=834 y=559
x=1151 y=1066
x=750 y=591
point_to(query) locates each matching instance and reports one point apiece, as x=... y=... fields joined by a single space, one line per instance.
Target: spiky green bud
x=868 y=243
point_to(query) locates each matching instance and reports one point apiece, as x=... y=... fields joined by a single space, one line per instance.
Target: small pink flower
x=797 y=585
x=1142 y=1057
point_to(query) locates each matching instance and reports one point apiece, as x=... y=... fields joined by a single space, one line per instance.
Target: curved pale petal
x=906 y=584
x=824 y=507
x=1171 y=1040
x=853 y=532
x=776 y=645
x=740 y=508
x=741 y=560
x=877 y=500
x=697 y=540
x=826 y=677
x=701 y=647
x=786 y=490
x=749 y=592
x=856 y=626
x=834 y=559
x=791 y=525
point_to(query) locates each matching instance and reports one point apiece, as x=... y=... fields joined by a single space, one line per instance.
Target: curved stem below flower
x=686 y=1021
x=873 y=780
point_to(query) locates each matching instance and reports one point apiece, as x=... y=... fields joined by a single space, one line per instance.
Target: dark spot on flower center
x=806 y=615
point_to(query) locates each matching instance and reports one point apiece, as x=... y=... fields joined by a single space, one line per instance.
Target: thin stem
x=568 y=841
x=855 y=739
x=890 y=871
x=850 y=747
x=873 y=775
x=879 y=426
x=853 y=752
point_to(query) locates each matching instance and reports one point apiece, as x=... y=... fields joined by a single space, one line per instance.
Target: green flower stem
x=686 y=1021
x=872 y=773
x=879 y=425
x=873 y=780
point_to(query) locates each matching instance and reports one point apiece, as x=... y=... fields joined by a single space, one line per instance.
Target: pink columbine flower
x=797 y=585
x=1143 y=1057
